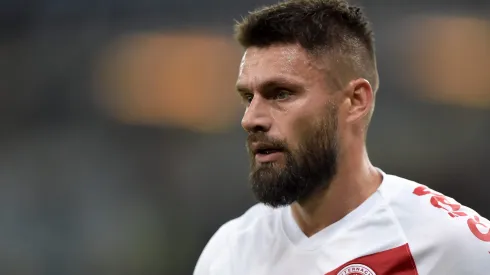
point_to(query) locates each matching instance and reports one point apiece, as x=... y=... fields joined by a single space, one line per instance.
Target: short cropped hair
x=319 y=26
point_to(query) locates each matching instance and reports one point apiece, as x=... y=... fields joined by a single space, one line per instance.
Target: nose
x=256 y=117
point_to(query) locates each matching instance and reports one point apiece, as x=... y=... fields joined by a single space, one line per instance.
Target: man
x=308 y=80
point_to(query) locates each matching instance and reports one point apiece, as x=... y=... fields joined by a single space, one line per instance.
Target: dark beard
x=310 y=168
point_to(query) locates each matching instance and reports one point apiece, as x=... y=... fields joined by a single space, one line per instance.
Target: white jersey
x=404 y=228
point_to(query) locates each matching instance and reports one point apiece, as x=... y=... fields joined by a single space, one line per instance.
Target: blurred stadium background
x=121 y=149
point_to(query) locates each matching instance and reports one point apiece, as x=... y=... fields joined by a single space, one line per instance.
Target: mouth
x=266 y=153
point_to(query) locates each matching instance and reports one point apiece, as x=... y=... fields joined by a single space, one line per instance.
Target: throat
x=322 y=209
x=332 y=204
x=311 y=223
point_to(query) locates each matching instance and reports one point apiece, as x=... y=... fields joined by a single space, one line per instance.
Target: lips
x=267 y=151
x=264 y=149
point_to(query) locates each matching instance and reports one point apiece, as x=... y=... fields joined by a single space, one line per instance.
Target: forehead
x=287 y=63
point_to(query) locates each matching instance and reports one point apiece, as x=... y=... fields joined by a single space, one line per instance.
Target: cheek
x=298 y=120
x=312 y=113
x=295 y=129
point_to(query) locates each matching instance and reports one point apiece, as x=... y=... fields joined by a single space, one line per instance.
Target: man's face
x=291 y=119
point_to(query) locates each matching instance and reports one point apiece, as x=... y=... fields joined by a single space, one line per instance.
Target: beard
x=309 y=168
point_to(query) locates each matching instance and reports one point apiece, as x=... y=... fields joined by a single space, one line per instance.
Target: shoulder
x=444 y=235
x=220 y=244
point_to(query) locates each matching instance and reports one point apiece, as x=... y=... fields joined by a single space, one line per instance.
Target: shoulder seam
x=402 y=231
x=395 y=219
x=394 y=216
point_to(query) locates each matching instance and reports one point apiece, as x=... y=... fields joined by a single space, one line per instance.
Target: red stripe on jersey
x=396 y=261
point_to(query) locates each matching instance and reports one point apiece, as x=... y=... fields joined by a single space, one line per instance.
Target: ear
x=360 y=99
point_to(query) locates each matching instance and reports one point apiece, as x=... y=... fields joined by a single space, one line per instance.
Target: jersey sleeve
x=216 y=253
x=467 y=250
x=445 y=237
x=457 y=236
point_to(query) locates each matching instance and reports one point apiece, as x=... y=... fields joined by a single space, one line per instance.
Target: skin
x=285 y=90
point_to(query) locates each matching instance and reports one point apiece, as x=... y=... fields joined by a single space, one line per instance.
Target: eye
x=248 y=97
x=282 y=94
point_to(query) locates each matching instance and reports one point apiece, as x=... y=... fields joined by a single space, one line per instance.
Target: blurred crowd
x=121 y=150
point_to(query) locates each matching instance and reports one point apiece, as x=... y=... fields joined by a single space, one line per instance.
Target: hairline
x=337 y=63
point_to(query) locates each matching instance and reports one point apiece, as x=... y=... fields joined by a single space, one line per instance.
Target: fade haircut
x=331 y=27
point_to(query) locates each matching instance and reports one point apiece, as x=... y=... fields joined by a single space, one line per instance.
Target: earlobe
x=361 y=97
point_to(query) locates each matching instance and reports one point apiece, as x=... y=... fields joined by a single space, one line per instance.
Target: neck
x=355 y=181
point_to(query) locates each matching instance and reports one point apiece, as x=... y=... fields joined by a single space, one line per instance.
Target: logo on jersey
x=356 y=269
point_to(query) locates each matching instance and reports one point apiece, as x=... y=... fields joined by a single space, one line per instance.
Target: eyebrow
x=270 y=83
